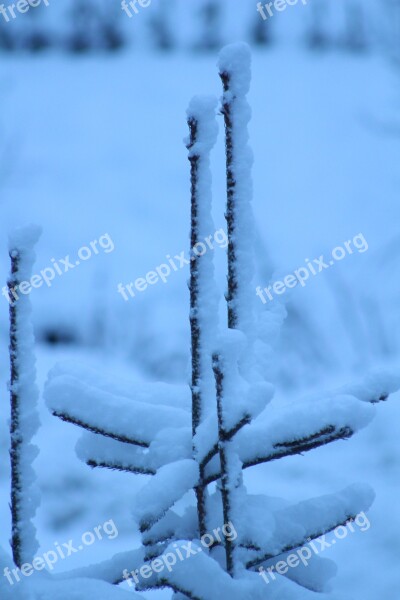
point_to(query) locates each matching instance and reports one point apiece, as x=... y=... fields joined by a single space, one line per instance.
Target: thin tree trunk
x=24 y=420
x=230 y=208
x=16 y=441
x=235 y=74
x=226 y=485
x=202 y=126
x=201 y=490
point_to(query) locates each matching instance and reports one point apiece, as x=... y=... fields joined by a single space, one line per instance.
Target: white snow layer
x=203 y=110
x=81 y=589
x=164 y=489
x=235 y=59
x=109 y=570
x=202 y=577
x=117 y=416
x=177 y=396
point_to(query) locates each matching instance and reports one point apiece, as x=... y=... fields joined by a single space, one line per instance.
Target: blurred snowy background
x=92 y=123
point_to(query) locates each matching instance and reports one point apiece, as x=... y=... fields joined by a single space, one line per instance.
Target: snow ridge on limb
x=316 y=575
x=100 y=451
x=162 y=491
x=81 y=589
x=115 y=416
x=374 y=388
x=155 y=392
x=302 y=427
x=169 y=445
x=308 y=520
x=110 y=570
x=23 y=396
x=201 y=116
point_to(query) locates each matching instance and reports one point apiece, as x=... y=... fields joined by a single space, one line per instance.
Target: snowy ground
x=95 y=146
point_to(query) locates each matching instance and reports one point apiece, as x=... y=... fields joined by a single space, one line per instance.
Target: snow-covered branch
x=116 y=417
x=162 y=491
x=99 y=451
x=170 y=445
x=315 y=518
x=373 y=389
x=299 y=428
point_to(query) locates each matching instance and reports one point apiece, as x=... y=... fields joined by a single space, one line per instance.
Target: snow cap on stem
x=203 y=110
x=235 y=59
x=24 y=238
x=21 y=242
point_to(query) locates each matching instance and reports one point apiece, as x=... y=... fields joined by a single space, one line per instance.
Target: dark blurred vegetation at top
x=82 y=26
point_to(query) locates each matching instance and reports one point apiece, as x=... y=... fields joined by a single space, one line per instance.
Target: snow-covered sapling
x=186 y=438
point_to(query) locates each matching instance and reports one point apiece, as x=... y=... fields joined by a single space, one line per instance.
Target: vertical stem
x=226 y=486
x=194 y=282
x=194 y=320
x=235 y=74
x=230 y=207
x=23 y=398
x=16 y=441
x=203 y=296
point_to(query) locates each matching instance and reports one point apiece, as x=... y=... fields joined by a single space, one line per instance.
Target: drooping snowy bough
x=189 y=438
